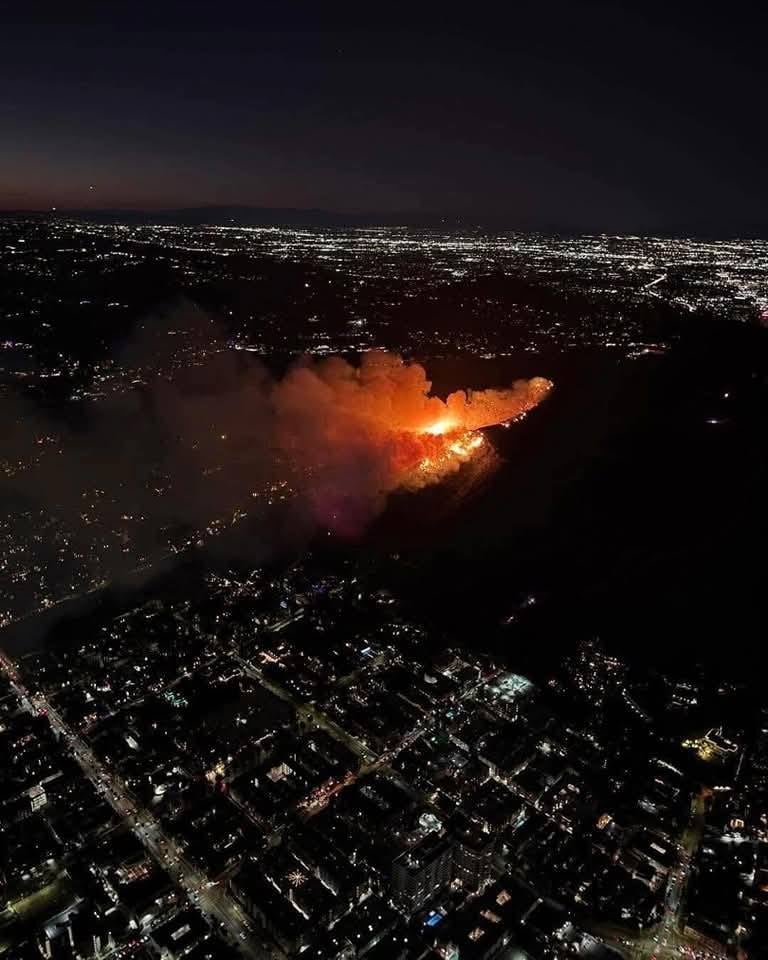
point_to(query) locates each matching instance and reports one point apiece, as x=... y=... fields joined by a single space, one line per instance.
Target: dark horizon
x=590 y=119
x=248 y=216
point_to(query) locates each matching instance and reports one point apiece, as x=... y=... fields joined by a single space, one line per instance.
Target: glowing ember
x=466 y=444
x=456 y=448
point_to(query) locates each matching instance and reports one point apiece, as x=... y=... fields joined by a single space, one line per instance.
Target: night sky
x=552 y=115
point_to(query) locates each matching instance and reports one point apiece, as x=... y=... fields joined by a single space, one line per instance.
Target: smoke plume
x=356 y=433
x=188 y=444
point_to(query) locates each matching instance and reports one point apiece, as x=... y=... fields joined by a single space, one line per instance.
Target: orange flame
x=453 y=448
x=360 y=432
x=440 y=427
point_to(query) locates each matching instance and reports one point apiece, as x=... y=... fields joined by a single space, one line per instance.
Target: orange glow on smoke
x=440 y=427
x=359 y=432
x=424 y=454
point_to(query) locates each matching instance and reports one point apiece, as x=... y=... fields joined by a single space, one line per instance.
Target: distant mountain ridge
x=252 y=216
x=246 y=216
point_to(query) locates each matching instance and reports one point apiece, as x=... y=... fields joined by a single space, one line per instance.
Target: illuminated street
x=208 y=898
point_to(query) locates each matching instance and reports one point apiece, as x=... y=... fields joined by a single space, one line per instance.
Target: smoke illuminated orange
x=441 y=427
x=360 y=432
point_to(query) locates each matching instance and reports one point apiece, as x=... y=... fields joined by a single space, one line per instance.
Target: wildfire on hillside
x=361 y=432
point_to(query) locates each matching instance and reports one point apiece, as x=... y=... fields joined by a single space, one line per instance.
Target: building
x=472 y=855
x=420 y=874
